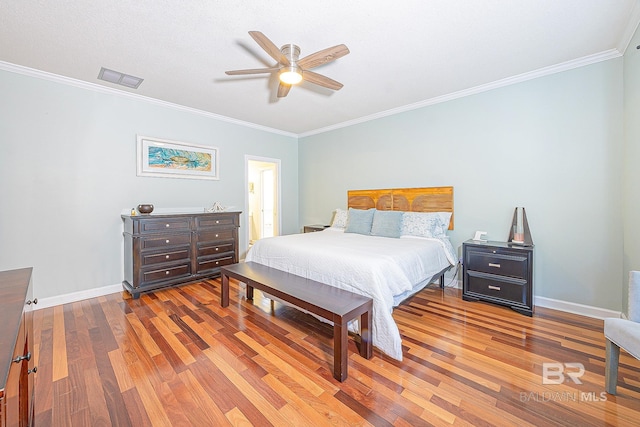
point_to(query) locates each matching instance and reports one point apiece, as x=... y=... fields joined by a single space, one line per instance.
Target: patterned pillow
x=423 y=224
x=340 y=218
x=445 y=217
x=360 y=221
x=387 y=224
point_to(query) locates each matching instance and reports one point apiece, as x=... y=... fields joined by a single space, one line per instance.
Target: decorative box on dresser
x=16 y=348
x=163 y=250
x=500 y=273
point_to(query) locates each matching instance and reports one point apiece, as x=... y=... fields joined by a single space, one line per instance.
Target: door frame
x=278 y=202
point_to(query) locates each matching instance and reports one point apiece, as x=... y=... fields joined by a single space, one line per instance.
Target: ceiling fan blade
x=283 y=90
x=321 y=80
x=252 y=71
x=269 y=47
x=323 y=56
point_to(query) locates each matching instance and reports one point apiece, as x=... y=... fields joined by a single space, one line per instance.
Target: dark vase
x=145 y=209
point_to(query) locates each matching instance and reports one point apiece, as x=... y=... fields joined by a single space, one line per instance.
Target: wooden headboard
x=427 y=199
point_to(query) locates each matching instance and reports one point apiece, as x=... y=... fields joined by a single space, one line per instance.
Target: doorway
x=263 y=198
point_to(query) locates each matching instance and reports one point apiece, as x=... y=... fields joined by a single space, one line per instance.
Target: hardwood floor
x=175 y=357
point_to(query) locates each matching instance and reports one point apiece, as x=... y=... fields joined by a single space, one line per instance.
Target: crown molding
x=542 y=72
x=546 y=71
x=632 y=26
x=19 y=69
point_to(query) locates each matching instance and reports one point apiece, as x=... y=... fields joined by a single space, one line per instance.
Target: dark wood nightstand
x=500 y=273
x=314 y=227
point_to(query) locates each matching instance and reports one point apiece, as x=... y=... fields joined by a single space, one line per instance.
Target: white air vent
x=119 y=78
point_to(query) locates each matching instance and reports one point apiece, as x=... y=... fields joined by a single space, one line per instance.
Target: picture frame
x=174 y=159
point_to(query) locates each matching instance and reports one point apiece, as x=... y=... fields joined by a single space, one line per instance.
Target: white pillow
x=425 y=224
x=340 y=218
x=445 y=217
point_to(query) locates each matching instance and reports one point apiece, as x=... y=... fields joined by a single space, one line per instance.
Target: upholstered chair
x=623 y=333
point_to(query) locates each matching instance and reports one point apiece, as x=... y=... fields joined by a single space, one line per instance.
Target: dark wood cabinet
x=16 y=348
x=163 y=250
x=500 y=273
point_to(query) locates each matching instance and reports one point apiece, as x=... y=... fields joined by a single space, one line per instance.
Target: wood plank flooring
x=176 y=358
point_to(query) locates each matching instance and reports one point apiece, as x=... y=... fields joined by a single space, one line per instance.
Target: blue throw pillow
x=360 y=221
x=387 y=224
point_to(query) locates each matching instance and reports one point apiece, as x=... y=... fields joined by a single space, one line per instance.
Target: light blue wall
x=552 y=145
x=632 y=161
x=68 y=168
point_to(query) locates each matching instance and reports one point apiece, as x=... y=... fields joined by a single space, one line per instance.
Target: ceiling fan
x=292 y=70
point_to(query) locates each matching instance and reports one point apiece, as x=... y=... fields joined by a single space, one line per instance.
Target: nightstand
x=500 y=273
x=314 y=227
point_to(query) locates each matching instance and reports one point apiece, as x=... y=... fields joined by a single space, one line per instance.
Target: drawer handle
x=217 y=262
x=218 y=222
x=167 y=225
x=494 y=265
x=26 y=357
x=167 y=257
x=494 y=288
x=33 y=371
x=35 y=301
x=217 y=249
x=166 y=272
x=217 y=235
x=167 y=241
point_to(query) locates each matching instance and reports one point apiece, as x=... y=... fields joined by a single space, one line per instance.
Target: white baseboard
x=566 y=306
x=77 y=296
x=569 y=307
x=572 y=307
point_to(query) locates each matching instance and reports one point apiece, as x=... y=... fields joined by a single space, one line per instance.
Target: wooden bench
x=334 y=304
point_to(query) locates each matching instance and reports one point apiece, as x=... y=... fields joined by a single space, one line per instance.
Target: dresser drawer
x=166 y=273
x=512 y=265
x=165 y=241
x=207 y=249
x=158 y=225
x=211 y=263
x=215 y=235
x=158 y=258
x=507 y=291
x=219 y=220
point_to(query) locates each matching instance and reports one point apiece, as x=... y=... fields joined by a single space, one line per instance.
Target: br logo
x=554 y=373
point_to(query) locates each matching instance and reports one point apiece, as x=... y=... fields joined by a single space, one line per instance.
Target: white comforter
x=380 y=267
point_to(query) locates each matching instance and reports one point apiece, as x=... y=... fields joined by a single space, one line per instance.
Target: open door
x=263 y=198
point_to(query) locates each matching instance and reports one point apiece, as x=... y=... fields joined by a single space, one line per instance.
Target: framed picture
x=174 y=159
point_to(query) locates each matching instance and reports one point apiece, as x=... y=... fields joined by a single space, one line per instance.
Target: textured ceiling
x=403 y=54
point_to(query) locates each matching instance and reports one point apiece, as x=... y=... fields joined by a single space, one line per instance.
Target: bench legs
x=366 y=348
x=340 y=362
x=340 y=335
x=224 y=300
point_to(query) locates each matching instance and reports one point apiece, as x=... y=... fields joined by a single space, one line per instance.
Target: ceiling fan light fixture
x=292 y=70
x=290 y=75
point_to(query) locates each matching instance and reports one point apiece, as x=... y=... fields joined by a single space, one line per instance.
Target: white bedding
x=379 y=267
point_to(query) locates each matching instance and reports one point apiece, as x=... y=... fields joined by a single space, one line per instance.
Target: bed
x=387 y=269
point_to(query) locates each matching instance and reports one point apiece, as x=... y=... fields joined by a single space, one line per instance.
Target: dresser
x=16 y=348
x=162 y=250
x=500 y=273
